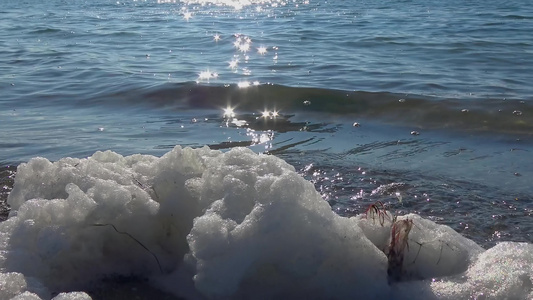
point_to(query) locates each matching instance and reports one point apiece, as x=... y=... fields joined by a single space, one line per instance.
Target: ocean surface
x=425 y=106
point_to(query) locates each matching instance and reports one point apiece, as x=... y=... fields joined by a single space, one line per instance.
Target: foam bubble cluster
x=206 y=224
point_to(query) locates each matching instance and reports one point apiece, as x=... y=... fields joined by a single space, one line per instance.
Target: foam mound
x=204 y=224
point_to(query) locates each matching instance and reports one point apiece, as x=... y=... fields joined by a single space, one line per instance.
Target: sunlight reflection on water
x=241 y=59
x=237 y=4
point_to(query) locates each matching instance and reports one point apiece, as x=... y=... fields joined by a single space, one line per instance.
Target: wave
x=486 y=115
x=46 y=30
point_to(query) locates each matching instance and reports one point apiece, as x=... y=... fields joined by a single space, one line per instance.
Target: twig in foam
x=136 y=240
x=377 y=210
x=399 y=241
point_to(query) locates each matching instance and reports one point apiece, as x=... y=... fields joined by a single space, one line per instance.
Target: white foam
x=26 y=296
x=202 y=223
x=502 y=272
x=12 y=284
x=72 y=296
x=15 y=284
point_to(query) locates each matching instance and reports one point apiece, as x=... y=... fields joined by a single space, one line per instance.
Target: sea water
x=423 y=106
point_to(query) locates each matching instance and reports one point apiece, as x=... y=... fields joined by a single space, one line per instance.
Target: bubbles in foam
x=225 y=225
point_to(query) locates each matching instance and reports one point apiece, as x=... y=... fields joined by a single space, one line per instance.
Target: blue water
x=441 y=91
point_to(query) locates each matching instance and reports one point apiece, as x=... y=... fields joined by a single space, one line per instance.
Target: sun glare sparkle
x=244 y=47
x=262 y=50
x=187 y=15
x=206 y=75
x=242 y=43
x=233 y=64
x=216 y=37
x=269 y=114
x=265 y=137
x=244 y=84
x=229 y=112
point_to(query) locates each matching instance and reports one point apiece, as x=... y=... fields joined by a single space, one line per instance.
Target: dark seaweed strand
x=394 y=267
x=138 y=242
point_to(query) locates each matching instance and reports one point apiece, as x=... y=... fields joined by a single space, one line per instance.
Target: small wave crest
x=486 y=115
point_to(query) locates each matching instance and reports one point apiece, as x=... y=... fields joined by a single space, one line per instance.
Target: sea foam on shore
x=204 y=224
